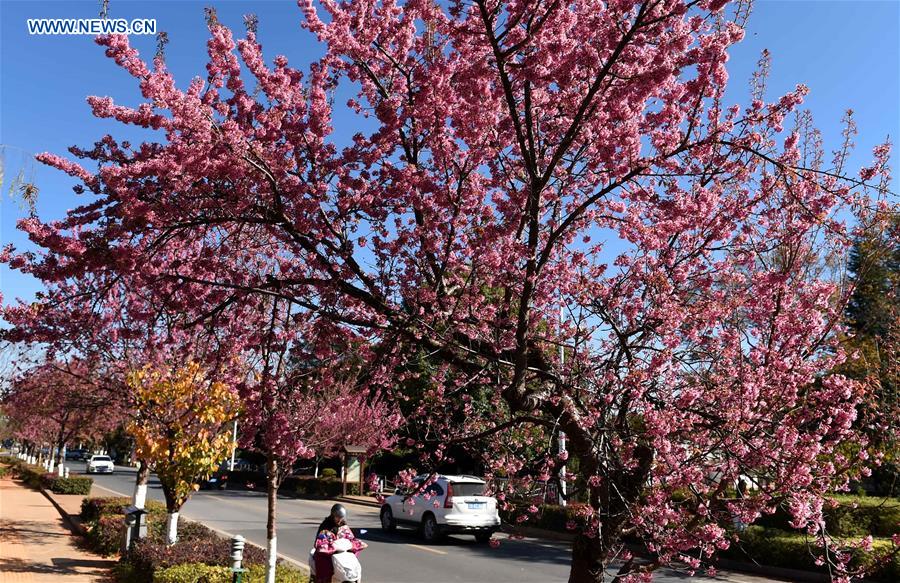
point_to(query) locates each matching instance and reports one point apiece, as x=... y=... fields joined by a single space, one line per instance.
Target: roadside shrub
x=548 y=516
x=283 y=574
x=853 y=516
x=198 y=572
x=187 y=529
x=92 y=508
x=241 y=479
x=151 y=554
x=30 y=475
x=71 y=485
x=105 y=533
x=310 y=487
x=329 y=473
x=193 y=573
x=863 y=515
x=103 y=518
x=4 y=470
x=778 y=548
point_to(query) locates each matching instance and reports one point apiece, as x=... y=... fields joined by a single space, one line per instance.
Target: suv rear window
x=468 y=489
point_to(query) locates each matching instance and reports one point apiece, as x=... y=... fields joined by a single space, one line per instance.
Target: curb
x=533 y=532
x=371 y=503
x=784 y=573
x=74 y=525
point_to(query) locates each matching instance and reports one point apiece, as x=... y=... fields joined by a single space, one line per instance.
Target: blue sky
x=846 y=51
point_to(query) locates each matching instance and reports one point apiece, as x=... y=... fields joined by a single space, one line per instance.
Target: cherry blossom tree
x=301 y=400
x=542 y=179
x=122 y=324
x=57 y=402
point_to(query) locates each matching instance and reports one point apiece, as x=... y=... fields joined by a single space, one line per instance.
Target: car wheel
x=430 y=530
x=387 y=520
x=483 y=537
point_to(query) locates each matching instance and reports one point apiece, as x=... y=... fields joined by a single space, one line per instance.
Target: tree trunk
x=588 y=560
x=172 y=508
x=272 y=481
x=140 y=485
x=60 y=443
x=171 y=527
x=613 y=501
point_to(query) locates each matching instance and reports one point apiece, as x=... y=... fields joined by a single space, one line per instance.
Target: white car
x=450 y=505
x=98 y=464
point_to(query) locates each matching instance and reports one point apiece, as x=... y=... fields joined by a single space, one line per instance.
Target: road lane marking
x=430 y=550
x=96 y=485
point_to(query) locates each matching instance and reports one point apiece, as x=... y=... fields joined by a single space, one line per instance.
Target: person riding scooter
x=333 y=538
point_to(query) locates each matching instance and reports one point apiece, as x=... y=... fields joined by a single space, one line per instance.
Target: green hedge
x=29 y=474
x=103 y=517
x=548 y=516
x=37 y=477
x=778 y=548
x=853 y=516
x=307 y=486
x=93 y=508
x=71 y=485
x=198 y=572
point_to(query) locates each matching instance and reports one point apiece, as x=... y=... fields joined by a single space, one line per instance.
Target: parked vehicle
x=217 y=479
x=242 y=465
x=100 y=464
x=75 y=454
x=450 y=505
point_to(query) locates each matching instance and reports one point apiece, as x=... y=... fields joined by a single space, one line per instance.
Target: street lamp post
x=233 y=446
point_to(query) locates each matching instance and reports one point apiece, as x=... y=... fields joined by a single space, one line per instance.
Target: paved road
x=396 y=558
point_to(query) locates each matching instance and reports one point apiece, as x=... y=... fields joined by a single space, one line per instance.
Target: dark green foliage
x=853 y=516
x=309 y=487
x=71 y=485
x=778 y=548
x=875 y=268
x=548 y=516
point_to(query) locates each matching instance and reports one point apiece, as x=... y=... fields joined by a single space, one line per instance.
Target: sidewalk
x=36 y=547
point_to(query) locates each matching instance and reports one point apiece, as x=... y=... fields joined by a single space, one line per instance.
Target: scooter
x=347 y=568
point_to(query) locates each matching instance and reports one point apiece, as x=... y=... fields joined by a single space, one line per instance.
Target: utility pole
x=562 y=435
x=233 y=446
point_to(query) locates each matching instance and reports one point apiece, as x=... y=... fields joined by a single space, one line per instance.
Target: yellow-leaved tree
x=180 y=429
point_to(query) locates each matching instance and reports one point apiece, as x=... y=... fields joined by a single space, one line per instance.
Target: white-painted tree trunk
x=61 y=470
x=271 y=559
x=140 y=495
x=171 y=528
x=51 y=464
